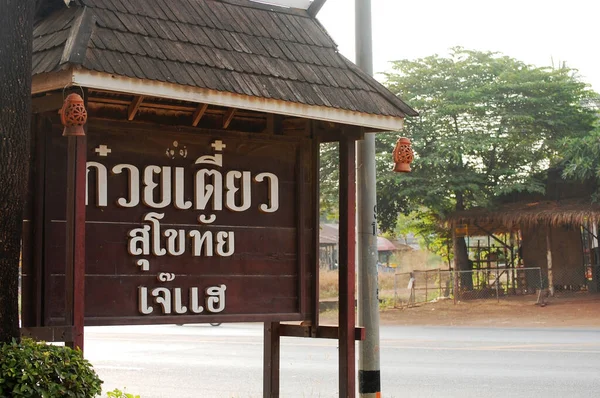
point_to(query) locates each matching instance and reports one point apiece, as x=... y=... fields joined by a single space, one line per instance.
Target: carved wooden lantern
x=403 y=155
x=73 y=115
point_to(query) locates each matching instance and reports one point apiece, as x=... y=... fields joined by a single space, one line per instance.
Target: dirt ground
x=579 y=311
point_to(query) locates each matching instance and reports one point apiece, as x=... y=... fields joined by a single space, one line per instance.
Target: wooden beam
x=134 y=106
x=45 y=82
x=320 y=332
x=347 y=268
x=228 y=117
x=270 y=126
x=49 y=333
x=45 y=103
x=198 y=113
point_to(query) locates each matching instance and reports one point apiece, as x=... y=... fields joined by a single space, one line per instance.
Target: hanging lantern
x=403 y=155
x=73 y=115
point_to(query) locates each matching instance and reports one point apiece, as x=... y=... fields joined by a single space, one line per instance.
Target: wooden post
x=75 y=224
x=347 y=268
x=271 y=360
x=549 y=260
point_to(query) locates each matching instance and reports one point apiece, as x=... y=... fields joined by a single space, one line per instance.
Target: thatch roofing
x=228 y=46
x=516 y=215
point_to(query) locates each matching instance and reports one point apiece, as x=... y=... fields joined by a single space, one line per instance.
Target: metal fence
x=493 y=284
x=572 y=282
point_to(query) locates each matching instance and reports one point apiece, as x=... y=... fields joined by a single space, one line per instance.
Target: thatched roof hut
x=526 y=214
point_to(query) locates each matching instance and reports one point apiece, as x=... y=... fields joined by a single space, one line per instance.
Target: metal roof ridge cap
x=113 y=82
x=265 y=6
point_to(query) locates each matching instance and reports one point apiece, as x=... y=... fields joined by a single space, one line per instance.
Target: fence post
x=455 y=287
x=440 y=282
x=426 y=286
x=497 y=285
x=395 y=289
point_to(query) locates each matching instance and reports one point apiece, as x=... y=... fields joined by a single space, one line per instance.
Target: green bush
x=116 y=393
x=35 y=369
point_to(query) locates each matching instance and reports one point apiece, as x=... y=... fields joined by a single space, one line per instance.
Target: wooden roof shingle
x=233 y=46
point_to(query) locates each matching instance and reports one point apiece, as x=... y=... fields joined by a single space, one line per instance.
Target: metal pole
x=369 y=379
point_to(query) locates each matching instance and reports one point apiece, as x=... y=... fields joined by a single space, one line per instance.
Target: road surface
x=226 y=361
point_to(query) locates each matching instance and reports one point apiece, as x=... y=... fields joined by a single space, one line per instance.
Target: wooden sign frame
x=58 y=262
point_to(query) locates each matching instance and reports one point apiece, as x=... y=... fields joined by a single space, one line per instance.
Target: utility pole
x=369 y=380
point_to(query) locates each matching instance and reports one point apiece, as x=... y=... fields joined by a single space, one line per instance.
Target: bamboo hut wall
x=567 y=254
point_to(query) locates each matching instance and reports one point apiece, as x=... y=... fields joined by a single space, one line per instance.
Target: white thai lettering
x=101 y=183
x=232 y=189
x=133 y=184
x=150 y=186
x=273 y=205
x=179 y=188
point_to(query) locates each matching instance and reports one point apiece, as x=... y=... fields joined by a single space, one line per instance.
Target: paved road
x=226 y=361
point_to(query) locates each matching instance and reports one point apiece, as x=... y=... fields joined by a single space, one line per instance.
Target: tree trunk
x=461 y=256
x=16 y=31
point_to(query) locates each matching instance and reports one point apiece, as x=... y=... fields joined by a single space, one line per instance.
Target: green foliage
x=329 y=175
x=582 y=157
x=488 y=123
x=428 y=230
x=34 y=369
x=116 y=393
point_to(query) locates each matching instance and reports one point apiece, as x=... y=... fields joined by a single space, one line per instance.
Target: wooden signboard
x=184 y=226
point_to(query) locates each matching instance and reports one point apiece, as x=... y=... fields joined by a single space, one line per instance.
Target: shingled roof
x=223 y=46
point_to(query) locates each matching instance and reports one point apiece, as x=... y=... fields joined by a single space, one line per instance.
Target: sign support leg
x=75 y=220
x=347 y=271
x=271 y=360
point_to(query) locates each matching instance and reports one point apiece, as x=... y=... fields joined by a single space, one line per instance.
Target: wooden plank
x=45 y=82
x=49 y=333
x=270 y=124
x=320 y=332
x=198 y=113
x=51 y=102
x=228 y=117
x=271 y=360
x=134 y=106
x=347 y=205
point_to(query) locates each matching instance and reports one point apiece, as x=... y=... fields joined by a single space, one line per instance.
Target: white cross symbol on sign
x=218 y=145
x=103 y=150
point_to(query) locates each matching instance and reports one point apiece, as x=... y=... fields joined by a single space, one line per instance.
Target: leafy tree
x=16 y=31
x=487 y=124
x=329 y=176
x=582 y=154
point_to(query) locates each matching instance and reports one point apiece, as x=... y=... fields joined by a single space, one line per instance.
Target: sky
x=533 y=31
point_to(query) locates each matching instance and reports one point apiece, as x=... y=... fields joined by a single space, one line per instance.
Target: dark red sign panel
x=185 y=226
